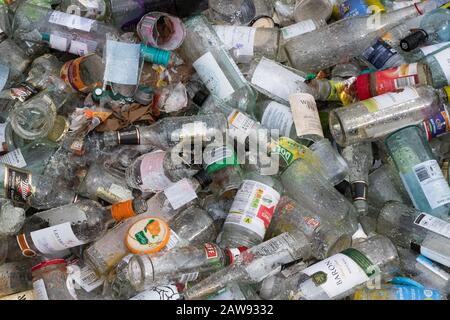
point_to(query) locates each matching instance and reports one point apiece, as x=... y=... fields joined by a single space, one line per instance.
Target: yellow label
x=371 y=105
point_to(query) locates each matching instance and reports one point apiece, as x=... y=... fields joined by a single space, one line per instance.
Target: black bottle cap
x=203 y=178
x=200 y=97
x=415 y=247
x=414 y=40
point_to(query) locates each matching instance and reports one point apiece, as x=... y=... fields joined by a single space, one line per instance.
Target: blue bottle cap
x=155 y=55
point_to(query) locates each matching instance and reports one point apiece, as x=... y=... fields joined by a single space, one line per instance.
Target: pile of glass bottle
x=286 y=149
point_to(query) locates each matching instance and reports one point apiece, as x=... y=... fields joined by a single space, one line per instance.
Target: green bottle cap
x=155 y=55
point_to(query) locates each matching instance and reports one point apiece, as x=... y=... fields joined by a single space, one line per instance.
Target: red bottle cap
x=362 y=86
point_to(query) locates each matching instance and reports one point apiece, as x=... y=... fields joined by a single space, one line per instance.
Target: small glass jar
x=50 y=280
x=420 y=172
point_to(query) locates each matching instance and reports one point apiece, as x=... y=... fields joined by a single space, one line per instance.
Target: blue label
x=413 y=293
x=379 y=54
x=352 y=8
x=437 y=125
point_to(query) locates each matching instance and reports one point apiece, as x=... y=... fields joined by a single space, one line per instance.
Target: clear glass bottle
x=33 y=156
x=61 y=31
x=326 y=239
x=420 y=172
x=329 y=279
x=49 y=280
x=15 y=277
x=308 y=186
x=181 y=265
x=275 y=80
x=203 y=48
x=38 y=191
x=360 y=160
x=439 y=67
x=155 y=171
x=13 y=62
x=244 y=43
x=255 y=264
x=347 y=38
x=240 y=12
x=251 y=211
x=374 y=118
x=169 y=131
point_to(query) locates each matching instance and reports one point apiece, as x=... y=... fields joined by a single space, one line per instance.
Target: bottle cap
x=233 y=253
x=362 y=86
x=48 y=263
x=200 y=97
x=447 y=91
x=148 y=235
x=155 y=55
x=203 y=178
x=414 y=40
x=122 y=210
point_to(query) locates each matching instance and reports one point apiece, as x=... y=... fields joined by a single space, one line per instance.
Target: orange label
x=70 y=73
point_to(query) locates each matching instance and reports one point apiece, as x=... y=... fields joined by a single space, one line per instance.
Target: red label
x=265 y=214
x=211 y=251
x=395 y=79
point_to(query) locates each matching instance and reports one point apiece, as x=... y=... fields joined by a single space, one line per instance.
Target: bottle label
x=305 y=114
x=435 y=255
x=180 y=193
x=399 y=293
x=71 y=74
x=433 y=267
x=443 y=58
x=58 y=216
x=17 y=184
x=40 y=292
x=218 y=155
x=71 y=21
x=114 y=194
x=278 y=116
x=433 y=48
x=388 y=100
x=394 y=79
x=240 y=125
x=341 y=272
x=352 y=8
x=433 y=183
x=58 y=43
x=359 y=190
x=297 y=29
x=276 y=79
x=174 y=240
x=55 y=238
x=253 y=207
x=438 y=125
x=3 y=144
x=213 y=76
x=169 y=292
x=288 y=149
x=433 y=224
x=14 y=158
x=212 y=256
x=23 y=92
x=189 y=277
x=80 y=48
x=379 y=54
x=237 y=38
x=152 y=172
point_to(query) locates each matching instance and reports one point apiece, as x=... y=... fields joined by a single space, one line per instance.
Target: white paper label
x=342 y=274
x=55 y=238
x=240 y=125
x=88 y=279
x=253 y=207
x=388 y=100
x=297 y=29
x=122 y=62
x=2 y=135
x=174 y=239
x=435 y=47
x=276 y=79
x=14 y=158
x=58 y=43
x=435 y=256
x=433 y=224
x=433 y=183
x=278 y=117
x=121 y=192
x=152 y=172
x=443 y=58
x=212 y=76
x=169 y=292
x=180 y=193
x=71 y=21
x=40 y=293
x=78 y=48
x=237 y=38
x=305 y=114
